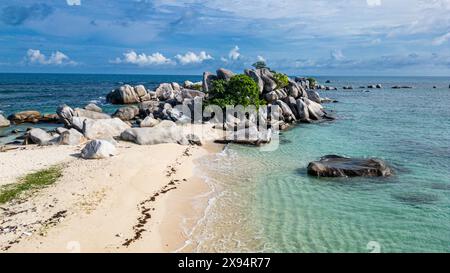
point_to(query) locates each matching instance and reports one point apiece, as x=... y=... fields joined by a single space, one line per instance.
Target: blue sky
x=299 y=37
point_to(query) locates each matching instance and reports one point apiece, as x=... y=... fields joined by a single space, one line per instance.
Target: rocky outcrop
x=93 y=107
x=126 y=113
x=25 y=116
x=65 y=114
x=249 y=136
x=224 y=74
x=4 y=122
x=98 y=149
x=83 y=113
x=126 y=94
x=256 y=77
x=103 y=128
x=190 y=93
x=401 y=87
x=162 y=133
x=167 y=91
x=338 y=166
x=208 y=78
x=314 y=96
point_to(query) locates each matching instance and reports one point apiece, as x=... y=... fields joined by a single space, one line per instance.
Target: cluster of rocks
x=27 y=117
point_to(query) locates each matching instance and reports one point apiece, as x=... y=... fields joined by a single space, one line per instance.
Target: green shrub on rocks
x=281 y=79
x=239 y=90
x=312 y=82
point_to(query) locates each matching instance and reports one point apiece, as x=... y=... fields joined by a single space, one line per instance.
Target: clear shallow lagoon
x=264 y=201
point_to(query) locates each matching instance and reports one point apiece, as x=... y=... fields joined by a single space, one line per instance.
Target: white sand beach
x=133 y=202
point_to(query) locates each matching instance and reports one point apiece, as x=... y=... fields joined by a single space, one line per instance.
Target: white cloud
x=337 y=55
x=234 y=53
x=373 y=3
x=73 y=2
x=143 y=59
x=35 y=56
x=192 y=58
x=260 y=58
x=441 y=39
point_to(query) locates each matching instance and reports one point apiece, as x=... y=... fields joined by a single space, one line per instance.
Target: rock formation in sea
x=338 y=166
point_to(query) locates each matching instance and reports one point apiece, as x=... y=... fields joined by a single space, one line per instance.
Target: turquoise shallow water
x=266 y=202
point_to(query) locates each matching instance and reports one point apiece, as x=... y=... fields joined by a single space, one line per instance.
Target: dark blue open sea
x=264 y=201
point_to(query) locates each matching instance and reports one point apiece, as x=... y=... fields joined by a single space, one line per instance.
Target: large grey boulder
x=271 y=96
x=149 y=121
x=190 y=93
x=167 y=91
x=71 y=137
x=41 y=137
x=338 y=166
x=126 y=94
x=315 y=110
x=256 y=77
x=314 y=96
x=156 y=135
x=302 y=111
x=103 y=128
x=126 y=113
x=287 y=112
x=249 y=135
x=80 y=112
x=65 y=114
x=224 y=74
x=208 y=78
x=93 y=107
x=4 y=122
x=98 y=149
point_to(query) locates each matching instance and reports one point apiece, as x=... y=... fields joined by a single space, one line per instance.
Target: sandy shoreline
x=138 y=201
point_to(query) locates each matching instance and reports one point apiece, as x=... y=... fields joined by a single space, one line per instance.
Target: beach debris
x=338 y=166
x=98 y=149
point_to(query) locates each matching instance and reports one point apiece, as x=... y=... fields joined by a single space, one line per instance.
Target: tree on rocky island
x=260 y=65
x=239 y=90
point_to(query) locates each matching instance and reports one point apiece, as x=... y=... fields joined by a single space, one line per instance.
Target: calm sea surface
x=264 y=201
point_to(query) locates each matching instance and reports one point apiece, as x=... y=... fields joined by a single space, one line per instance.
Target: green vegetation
x=239 y=90
x=33 y=181
x=259 y=65
x=312 y=82
x=281 y=79
x=197 y=87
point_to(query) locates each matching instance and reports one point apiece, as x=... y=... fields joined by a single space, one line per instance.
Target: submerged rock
x=338 y=166
x=98 y=149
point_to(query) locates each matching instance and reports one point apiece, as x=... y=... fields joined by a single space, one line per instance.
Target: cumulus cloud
x=441 y=39
x=35 y=56
x=260 y=58
x=17 y=15
x=131 y=57
x=73 y=2
x=234 y=53
x=192 y=58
